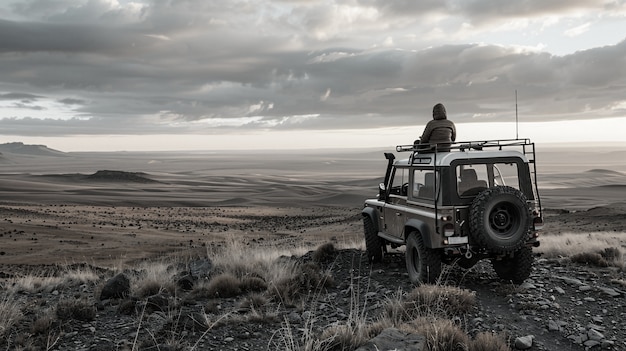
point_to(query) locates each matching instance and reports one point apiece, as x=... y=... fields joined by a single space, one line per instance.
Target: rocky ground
x=564 y=305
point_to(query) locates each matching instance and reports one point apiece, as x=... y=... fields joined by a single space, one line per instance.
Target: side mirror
x=382 y=190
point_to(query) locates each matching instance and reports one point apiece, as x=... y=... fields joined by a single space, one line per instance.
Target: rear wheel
x=423 y=264
x=516 y=268
x=374 y=244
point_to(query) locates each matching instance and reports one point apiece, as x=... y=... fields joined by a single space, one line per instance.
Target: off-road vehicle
x=475 y=200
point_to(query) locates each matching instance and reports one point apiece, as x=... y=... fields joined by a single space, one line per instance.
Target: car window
x=423 y=184
x=474 y=178
x=400 y=181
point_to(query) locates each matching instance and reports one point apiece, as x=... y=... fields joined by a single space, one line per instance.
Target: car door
x=394 y=212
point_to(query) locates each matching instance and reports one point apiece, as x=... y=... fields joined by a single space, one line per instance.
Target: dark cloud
x=203 y=66
x=70 y=101
x=19 y=96
x=406 y=7
x=487 y=10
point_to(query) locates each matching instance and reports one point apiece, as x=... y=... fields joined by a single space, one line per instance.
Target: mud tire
x=374 y=245
x=423 y=264
x=517 y=268
x=500 y=219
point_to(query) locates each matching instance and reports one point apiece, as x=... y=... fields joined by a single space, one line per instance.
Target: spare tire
x=500 y=219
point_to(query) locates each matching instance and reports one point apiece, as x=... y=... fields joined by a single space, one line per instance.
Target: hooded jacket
x=440 y=130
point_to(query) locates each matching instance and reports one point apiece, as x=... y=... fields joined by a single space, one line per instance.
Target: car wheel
x=374 y=244
x=516 y=268
x=500 y=219
x=423 y=264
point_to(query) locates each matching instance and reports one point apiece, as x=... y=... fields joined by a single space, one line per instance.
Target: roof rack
x=528 y=149
x=463 y=145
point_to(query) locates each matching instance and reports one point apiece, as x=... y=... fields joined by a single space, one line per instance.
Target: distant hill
x=120 y=176
x=32 y=150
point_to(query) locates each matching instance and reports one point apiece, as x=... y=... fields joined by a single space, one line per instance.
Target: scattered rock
x=524 y=342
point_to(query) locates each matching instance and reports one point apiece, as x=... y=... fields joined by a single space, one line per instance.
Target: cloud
x=19 y=96
x=196 y=66
x=578 y=30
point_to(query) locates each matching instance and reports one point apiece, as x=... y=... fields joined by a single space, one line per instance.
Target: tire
x=374 y=245
x=500 y=219
x=517 y=268
x=423 y=264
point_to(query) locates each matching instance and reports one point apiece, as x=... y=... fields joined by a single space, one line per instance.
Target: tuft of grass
x=441 y=334
x=304 y=280
x=252 y=284
x=153 y=278
x=221 y=286
x=325 y=253
x=611 y=254
x=254 y=302
x=590 y=258
x=10 y=314
x=486 y=341
x=431 y=300
x=77 y=309
x=43 y=323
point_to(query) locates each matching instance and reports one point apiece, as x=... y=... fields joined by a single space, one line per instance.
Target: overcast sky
x=238 y=70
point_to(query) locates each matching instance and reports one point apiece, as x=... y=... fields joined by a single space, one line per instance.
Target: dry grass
x=34 y=283
x=10 y=314
x=486 y=341
x=570 y=244
x=221 y=286
x=153 y=278
x=440 y=334
x=263 y=278
x=427 y=300
x=43 y=323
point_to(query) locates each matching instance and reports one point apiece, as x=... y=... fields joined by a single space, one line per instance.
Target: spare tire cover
x=500 y=219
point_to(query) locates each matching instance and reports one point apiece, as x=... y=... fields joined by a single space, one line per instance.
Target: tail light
x=448 y=229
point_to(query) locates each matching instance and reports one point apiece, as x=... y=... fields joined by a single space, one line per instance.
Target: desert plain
x=58 y=207
x=120 y=208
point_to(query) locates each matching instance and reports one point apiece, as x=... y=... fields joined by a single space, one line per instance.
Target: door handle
x=398 y=214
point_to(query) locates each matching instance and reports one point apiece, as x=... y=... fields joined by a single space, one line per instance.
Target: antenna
x=516 y=134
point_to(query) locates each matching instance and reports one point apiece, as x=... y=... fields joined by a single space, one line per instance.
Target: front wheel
x=423 y=264
x=516 y=268
x=374 y=245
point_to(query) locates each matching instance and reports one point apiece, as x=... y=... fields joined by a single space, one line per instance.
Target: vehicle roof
x=447 y=158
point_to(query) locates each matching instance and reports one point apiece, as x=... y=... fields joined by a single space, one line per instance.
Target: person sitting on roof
x=440 y=131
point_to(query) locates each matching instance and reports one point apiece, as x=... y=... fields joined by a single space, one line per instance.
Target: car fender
x=373 y=214
x=420 y=226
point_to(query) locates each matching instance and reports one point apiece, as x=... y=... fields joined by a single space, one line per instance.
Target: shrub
x=223 y=285
x=325 y=253
x=305 y=279
x=611 y=254
x=42 y=324
x=590 y=258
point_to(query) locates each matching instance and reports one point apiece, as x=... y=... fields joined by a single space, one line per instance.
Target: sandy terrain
x=63 y=208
